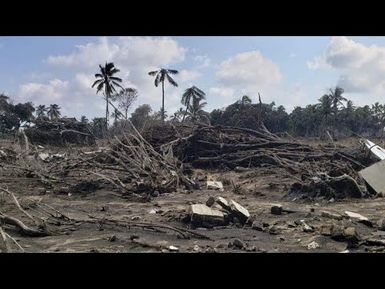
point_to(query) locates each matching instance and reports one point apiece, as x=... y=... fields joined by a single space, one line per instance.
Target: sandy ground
x=261 y=187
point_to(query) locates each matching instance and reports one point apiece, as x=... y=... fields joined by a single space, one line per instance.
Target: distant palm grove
x=334 y=113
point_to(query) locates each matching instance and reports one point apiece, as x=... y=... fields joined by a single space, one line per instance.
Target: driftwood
x=24 y=229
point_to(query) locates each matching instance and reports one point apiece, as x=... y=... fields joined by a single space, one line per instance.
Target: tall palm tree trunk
x=185 y=112
x=163 y=100
x=107 y=111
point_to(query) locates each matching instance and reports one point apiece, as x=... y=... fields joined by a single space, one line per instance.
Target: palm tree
x=106 y=80
x=245 y=100
x=196 y=112
x=191 y=94
x=40 y=111
x=336 y=98
x=53 y=111
x=84 y=119
x=160 y=76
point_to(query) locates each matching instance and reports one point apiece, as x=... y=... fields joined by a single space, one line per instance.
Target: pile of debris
x=60 y=132
x=135 y=168
x=319 y=170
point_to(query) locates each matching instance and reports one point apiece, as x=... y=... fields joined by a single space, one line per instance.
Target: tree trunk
x=185 y=112
x=107 y=112
x=162 y=100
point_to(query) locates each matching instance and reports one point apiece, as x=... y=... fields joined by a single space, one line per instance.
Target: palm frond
x=172 y=81
x=172 y=71
x=115 y=78
x=98 y=75
x=152 y=73
x=97 y=81
x=157 y=79
x=99 y=87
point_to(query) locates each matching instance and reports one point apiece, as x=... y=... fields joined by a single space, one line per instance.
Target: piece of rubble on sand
x=331 y=215
x=359 y=218
x=202 y=215
x=240 y=212
x=374 y=176
x=214 y=186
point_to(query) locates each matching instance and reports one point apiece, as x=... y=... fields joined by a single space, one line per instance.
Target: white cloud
x=202 y=60
x=361 y=67
x=54 y=91
x=134 y=56
x=188 y=75
x=246 y=73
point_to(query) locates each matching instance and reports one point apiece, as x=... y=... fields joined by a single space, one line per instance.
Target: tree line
x=333 y=113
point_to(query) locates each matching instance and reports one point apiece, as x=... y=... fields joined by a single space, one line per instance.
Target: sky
x=292 y=71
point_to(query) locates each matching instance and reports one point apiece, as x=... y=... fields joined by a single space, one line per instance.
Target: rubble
x=211 y=185
x=202 y=215
x=331 y=215
x=240 y=212
x=313 y=245
x=276 y=210
x=374 y=176
x=359 y=218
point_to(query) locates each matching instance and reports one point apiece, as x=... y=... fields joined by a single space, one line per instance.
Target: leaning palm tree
x=107 y=81
x=53 y=111
x=190 y=95
x=40 y=111
x=160 y=76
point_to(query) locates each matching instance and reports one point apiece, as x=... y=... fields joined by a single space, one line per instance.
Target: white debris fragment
x=239 y=210
x=356 y=216
x=152 y=211
x=214 y=185
x=378 y=151
x=44 y=156
x=313 y=245
x=173 y=248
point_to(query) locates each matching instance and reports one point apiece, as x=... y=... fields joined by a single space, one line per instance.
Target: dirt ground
x=260 y=188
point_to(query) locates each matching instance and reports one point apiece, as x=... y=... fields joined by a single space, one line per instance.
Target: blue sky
x=288 y=70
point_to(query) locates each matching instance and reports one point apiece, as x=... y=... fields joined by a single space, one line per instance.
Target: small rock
x=330 y=215
x=276 y=209
x=152 y=211
x=133 y=237
x=210 y=201
x=313 y=245
x=134 y=218
x=223 y=203
x=112 y=238
x=155 y=194
x=306 y=227
x=103 y=209
x=326 y=230
x=312 y=210
x=381 y=225
x=257 y=226
x=238 y=244
x=214 y=185
x=173 y=249
x=282 y=239
x=205 y=216
x=196 y=248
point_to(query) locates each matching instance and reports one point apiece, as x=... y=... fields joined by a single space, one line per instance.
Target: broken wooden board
x=375 y=176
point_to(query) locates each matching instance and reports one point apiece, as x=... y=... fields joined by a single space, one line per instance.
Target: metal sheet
x=375 y=176
x=378 y=151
